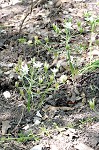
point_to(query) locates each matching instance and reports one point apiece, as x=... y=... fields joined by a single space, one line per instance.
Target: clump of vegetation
x=38 y=79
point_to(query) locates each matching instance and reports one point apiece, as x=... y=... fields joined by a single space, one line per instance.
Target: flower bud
x=46 y=66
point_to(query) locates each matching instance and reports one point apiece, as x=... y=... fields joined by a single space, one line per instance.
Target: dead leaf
x=53 y=147
x=82 y=146
x=5 y=126
x=58 y=3
x=83 y=95
x=93 y=53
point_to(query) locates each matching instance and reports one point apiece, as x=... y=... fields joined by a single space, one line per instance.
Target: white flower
x=19 y=77
x=37 y=120
x=68 y=25
x=30 y=42
x=54 y=71
x=59 y=63
x=7 y=94
x=24 y=68
x=91 y=19
x=26 y=127
x=38 y=114
x=37 y=64
x=63 y=78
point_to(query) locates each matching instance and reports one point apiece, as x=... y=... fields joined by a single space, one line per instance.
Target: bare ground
x=61 y=127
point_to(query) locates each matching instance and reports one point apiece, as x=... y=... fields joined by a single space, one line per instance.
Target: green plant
x=21 y=138
x=68 y=27
x=37 y=81
x=22 y=40
x=68 y=35
x=92 y=104
x=85 y=121
x=92 y=22
x=90 y=67
x=70 y=125
x=56 y=29
x=36 y=41
x=24 y=138
x=80 y=28
x=44 y=131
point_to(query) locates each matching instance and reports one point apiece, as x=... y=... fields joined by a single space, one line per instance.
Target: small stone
x=7 y=94
x=37 y=147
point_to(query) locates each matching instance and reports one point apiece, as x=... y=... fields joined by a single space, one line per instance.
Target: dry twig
x=31 y=8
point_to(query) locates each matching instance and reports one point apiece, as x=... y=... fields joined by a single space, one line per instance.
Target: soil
x=67 y=122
